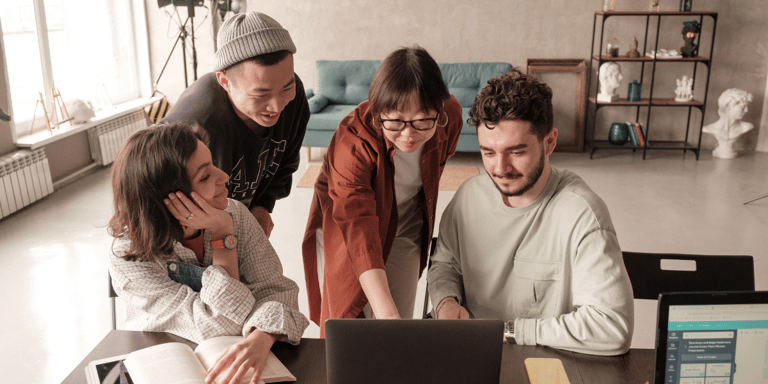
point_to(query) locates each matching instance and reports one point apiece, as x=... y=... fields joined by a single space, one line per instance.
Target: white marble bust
x=610 y=80
x=733 y=104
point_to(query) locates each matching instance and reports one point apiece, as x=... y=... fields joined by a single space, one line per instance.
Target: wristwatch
x=228 y=242
x=509 y=331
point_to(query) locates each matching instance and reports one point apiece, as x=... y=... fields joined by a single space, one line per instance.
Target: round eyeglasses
x=399 y=125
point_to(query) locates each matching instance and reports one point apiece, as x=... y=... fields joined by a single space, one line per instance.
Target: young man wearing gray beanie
x=254 y=109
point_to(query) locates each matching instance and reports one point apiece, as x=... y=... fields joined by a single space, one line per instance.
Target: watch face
x=230 y=241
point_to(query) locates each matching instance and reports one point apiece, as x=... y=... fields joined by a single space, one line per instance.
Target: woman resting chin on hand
x=188 y=260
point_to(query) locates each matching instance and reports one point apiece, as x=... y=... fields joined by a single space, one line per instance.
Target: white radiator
x=25 y=177
x=106 y=139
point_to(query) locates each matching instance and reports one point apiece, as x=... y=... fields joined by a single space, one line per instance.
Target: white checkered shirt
x=263 y=298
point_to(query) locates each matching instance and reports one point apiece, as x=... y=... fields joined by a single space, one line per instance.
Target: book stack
x=637 y=134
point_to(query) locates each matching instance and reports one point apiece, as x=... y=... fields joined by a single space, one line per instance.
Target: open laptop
x=413 y=351
x=712 y=338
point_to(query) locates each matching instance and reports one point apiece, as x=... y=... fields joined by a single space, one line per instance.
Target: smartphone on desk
x=545 y=371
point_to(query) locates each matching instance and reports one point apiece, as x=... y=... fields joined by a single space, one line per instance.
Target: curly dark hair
x=514 y=96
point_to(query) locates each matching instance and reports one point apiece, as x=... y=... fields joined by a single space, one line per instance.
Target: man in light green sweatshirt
x=529 y=243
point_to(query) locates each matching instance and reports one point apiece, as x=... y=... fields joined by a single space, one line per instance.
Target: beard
x=530 y=179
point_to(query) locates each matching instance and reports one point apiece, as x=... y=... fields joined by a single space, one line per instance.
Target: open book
x=172 y=363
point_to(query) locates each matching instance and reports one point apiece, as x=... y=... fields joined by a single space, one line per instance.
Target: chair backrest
x=112 y=296
x=425 y=312
x=654 y=273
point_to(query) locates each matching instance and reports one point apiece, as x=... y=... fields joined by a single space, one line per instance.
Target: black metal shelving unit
x=650 y=102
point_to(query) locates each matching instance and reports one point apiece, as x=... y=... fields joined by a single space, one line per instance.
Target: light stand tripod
x=183 y=37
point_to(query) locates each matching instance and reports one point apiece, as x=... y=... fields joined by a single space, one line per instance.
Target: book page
x=170 y=363
x=209 y=351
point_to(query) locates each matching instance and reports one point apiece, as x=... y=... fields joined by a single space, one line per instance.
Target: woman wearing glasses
x=371 y=219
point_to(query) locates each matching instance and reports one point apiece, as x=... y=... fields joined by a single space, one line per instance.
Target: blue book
x=632 y=134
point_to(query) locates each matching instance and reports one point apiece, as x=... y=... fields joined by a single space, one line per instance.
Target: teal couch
x=342 y=85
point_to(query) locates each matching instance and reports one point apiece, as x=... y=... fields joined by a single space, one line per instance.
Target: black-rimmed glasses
x=399 y=125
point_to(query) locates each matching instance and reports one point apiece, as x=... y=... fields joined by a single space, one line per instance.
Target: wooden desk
x=307 y=361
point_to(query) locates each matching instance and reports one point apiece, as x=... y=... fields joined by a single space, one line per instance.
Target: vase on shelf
x=618 y=134
x=634 y=91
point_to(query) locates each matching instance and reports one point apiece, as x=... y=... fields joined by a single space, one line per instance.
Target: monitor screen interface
x=717 y=344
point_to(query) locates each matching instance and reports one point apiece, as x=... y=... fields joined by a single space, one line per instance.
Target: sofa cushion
x=317 y=103
x=329 y=119
x=345 y=81
x=465 y=80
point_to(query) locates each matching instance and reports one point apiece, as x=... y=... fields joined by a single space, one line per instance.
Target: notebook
x=712 y=338
x=413 y=351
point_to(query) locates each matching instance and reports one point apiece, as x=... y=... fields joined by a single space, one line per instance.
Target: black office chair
x=710 y=273
x=112 y=296
x=425 y=313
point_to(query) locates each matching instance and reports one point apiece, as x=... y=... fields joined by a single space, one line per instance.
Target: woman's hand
x=250 y=354
x=376 y=289
x=198 y=214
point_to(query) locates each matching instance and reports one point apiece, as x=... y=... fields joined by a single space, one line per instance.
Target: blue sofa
x=342 y=85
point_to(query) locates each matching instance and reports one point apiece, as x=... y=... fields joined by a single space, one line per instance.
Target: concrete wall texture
x=477 y=31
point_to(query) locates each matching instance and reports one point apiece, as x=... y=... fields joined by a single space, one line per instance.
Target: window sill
x=44 y=137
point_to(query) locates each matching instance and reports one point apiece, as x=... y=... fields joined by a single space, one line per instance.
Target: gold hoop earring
x=442 y=119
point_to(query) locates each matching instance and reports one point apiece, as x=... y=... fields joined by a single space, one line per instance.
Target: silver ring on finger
x=190 y=216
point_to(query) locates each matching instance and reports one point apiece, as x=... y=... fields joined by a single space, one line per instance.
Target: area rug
x=452 y=177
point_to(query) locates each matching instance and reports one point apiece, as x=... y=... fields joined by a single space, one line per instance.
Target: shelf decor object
x=610 y=79
x=633 y=52
x=686 y=5
x=618 y=134
x=675 y=63
x=732 y=105
x=634 y=91
x=568 y=80
x=612 y=47
x=609 y=5
x=691 y=29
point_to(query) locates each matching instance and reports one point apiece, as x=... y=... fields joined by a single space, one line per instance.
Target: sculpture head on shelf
x=732 y=105
x=633 y=52
x=691 y=29
x=610 y=80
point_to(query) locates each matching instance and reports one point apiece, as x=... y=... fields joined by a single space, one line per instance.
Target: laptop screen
x=723 y=342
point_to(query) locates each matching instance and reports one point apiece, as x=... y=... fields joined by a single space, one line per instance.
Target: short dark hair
x=267 y=60
x=514 y=96
x=151 y=164
x=402 y=73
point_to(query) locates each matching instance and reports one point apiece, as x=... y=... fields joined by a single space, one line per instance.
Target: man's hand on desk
x=251 y=353
x=449 y=308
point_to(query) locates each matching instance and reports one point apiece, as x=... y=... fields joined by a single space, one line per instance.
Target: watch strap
x=228 y=242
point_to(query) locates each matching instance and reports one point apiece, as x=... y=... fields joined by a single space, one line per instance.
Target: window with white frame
x=85 y=49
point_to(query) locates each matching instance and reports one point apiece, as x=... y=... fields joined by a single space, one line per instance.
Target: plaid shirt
x=263 y=298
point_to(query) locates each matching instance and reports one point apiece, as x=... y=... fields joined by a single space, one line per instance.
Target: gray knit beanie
x=246 y=35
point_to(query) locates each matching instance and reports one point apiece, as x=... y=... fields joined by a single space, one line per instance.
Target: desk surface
x=307 y=360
